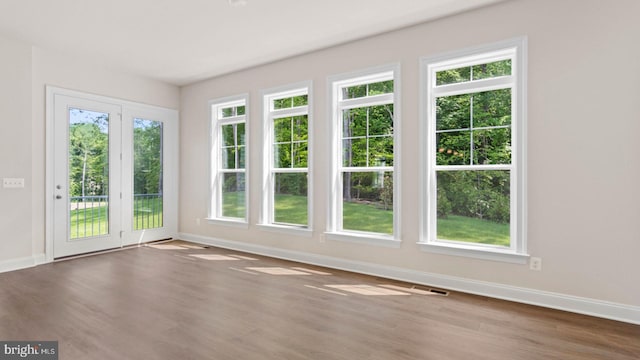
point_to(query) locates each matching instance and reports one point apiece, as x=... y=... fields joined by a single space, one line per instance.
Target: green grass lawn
x=291 y=209
x=94 y=221
x=367 y=217
x=462 y=228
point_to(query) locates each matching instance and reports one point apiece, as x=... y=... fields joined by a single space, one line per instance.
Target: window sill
x=287 y=229
x=475 y=252
x=364 y=238
x=238 y=223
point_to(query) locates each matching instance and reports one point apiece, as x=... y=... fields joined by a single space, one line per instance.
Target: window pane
x=475 y=72
x=299 y=156
x=300 y=131
x=494 y=69
x=383 y=87
x=474 y=206
x=354 y=122
x=358 y=91
x=492 y=108
x=232 y=111
x=282 y=129
x=228 y=158
x=300 y=100
x=381 y=120
x=353 y=92
x=453 y=112
x=453 y=148
x=240 y=133
x=227 y=112
x=289 y=102
x=354 y=152
x=228 y=135
x=381 y=151
x=147 y=174
x=282 y=103
x=453 y=76
x=88 y=160
x=282 y=155
x=492 y=146
x=368 y=201
x=290 y=202
x=233 y=195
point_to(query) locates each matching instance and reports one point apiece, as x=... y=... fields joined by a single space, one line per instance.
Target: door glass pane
x=88 y=173
x=147 y=174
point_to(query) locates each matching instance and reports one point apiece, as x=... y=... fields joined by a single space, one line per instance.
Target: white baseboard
x=586 y=306
x=21 y=263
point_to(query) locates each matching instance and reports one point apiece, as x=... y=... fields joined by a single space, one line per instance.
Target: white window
x=286 y=202
x=364 y=194
x=228 y=160
x=474 y=143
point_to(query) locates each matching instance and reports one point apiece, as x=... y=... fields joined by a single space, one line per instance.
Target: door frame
x=169 y=117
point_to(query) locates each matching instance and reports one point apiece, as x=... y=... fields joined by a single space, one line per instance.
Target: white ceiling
x=184 y=41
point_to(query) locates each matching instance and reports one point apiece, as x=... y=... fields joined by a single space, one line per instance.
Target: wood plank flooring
x=163 y=303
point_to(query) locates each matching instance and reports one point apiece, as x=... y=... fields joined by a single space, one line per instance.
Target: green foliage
x=291 y=183
x=476 y=194
x=233 y=146
x=290 y=102
x=368 y=136
x=291 y=139
x=232 y=111
x=475 y=72
x=371 y=89
x=474 y=128
x=147 y=157
x=88 y=154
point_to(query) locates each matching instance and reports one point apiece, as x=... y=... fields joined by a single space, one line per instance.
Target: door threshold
x=106 y=251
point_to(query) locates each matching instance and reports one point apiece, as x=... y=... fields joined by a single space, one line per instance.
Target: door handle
x=58 y=196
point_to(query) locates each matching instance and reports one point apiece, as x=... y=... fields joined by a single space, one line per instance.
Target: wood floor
x=165 y=303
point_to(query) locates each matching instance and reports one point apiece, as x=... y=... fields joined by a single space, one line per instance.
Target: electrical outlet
x=12 y=182
x=535 y=263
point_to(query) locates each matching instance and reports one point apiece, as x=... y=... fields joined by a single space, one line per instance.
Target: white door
x=87 y=175
x=113 y=173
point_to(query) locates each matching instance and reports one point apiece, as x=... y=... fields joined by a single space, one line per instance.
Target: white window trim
x=267 y=213
x=334 y=209
x=215 y=212
x=516 y=48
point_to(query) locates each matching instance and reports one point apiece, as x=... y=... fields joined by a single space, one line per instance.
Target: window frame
x=336 y=105
x=267 y=214
x=514 y=49
x=216 y=122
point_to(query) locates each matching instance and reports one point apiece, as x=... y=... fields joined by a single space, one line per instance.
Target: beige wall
x=15 y=148
x=583 y=164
